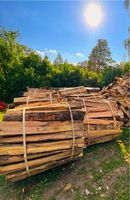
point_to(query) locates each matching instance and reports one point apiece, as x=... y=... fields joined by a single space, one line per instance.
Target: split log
x=37 y=162
x=119 y=91
x=42 y=168
x=72 y=91
x=43 y=116
x=37 y=138
x=46 y=137
x=38 y=127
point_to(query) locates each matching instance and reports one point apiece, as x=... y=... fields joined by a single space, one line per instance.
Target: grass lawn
x=101 y=174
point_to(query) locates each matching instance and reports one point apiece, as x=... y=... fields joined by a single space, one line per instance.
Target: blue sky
x=49 y=27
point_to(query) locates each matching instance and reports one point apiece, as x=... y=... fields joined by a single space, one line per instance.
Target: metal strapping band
x=86 y=115
x=94 y=97
x=79 y=90
x=24 y=142
x=64 y=91
x=72 y=125
x=66 y=99
x=27 y=101
x=35 y=91
x=50 y=97
x=114 y=119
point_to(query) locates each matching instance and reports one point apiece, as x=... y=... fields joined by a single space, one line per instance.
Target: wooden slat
x=42 y=147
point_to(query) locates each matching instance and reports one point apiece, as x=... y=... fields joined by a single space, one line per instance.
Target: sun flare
x=93 y=15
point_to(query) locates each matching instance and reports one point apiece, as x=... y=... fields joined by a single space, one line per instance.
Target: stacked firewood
x=119 y=91
x=72 y=91
x=42 y=96
x=37 y=97
x=40 y=134
x=102 y=121
x=33 y=140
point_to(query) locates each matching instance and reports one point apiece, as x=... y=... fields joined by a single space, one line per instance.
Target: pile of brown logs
x=37 y=97
x=33 y=140
x=102 y=121
x=41 y=133
x=73 y=91
x=119 y=91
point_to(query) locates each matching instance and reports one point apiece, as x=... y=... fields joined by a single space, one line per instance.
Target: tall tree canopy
x=127 y=41
x=100 y=56
x=127 y=4
x=59 y=60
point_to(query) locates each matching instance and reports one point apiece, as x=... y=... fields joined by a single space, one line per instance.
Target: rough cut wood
x=37 y=97
x=119 y=91
x=51 y=137
x=43 y=115
x=40 y=92
x=71 y=91
x=36 y=162
x=106 y=125
x=102 y=121
x=42 y=168
x=38 y=127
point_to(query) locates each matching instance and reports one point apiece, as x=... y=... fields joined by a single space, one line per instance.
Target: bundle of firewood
x=40 y=134
x=102 y=121
x=119 y=91
x=37 y=97
x=40 y=92
x=33 y=140
x=73 y=91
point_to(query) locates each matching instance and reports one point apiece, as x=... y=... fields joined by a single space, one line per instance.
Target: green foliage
x=100 y=56
x=58 y=60
x=126 y=68
x=108 y=75
x=127 y=4
x=21 y=67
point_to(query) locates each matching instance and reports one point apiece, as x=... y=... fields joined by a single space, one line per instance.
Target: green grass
x=103 y=171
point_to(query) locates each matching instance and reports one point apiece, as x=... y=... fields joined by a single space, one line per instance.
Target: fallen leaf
x=87 y=192
x=72 y=190
x=68 y=186
x=102 y=195
x=107 y=187
x=23 y=190
x=99 y=188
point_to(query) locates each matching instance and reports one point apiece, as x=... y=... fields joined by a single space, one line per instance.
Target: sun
x=93 y=14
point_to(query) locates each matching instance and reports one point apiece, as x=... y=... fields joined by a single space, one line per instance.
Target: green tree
x=127 y=41
x=100 y=56
x=127 y=4
x=108 y=75
x=125 y=67
x=127 y=46
x=59 y=60
x=11 y=67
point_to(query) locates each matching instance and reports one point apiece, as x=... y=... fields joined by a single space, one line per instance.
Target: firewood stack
x=102 y=121
x=40 y=134
x=37 y=97
x=73 y=91
x=33 y=140
x=119 y=91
